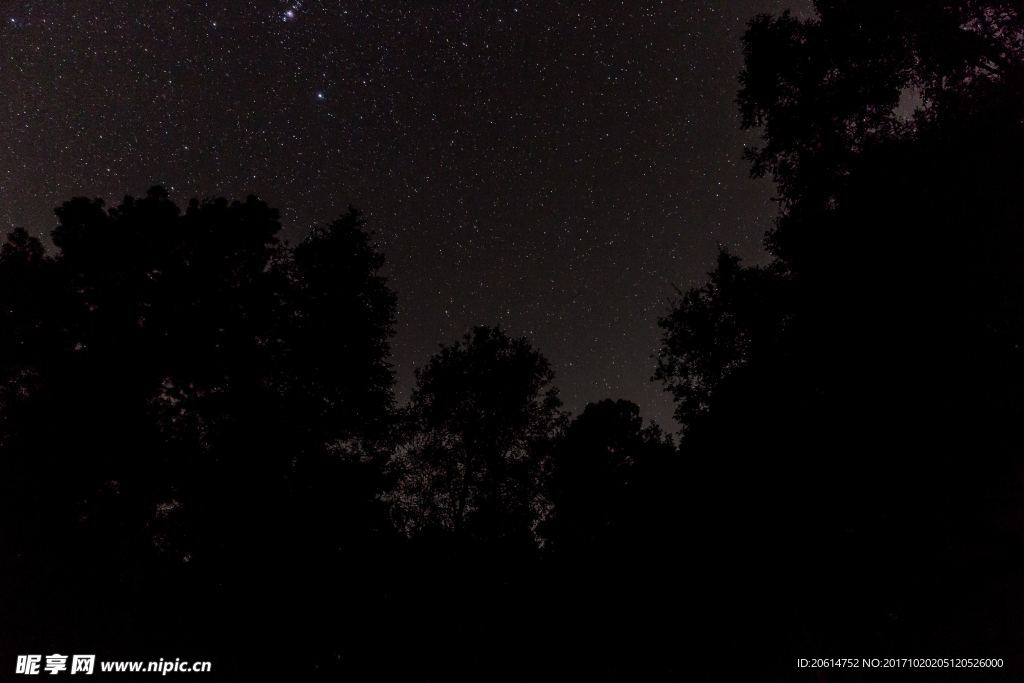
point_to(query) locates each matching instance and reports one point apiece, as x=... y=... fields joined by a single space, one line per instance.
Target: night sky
x=550 y=166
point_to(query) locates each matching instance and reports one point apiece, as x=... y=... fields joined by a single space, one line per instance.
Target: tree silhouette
x=716 y=330
x=483 y=418
x=606 y=482
x=612 y=546
x=201 y=450
x=850 y=408
x=187 y=404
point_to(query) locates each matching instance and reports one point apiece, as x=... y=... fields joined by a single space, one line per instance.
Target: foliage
x=484 y=417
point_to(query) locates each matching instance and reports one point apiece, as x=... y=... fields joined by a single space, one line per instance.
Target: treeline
x=202 y=455
x=853 y=408
x=201 y=442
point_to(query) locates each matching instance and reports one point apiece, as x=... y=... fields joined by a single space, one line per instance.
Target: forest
x=202 y=453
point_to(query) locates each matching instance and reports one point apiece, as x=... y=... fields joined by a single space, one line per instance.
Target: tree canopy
x=483 y=418
x=850 y=405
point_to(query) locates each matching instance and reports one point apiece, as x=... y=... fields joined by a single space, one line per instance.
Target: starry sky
x=550 y=166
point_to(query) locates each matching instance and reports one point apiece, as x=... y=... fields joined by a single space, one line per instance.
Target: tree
x=850 y=409
x=825 y=91
x=606 y=481
x=483 y=417
x=612 y=546
x=716 y=330
x=190 y=409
